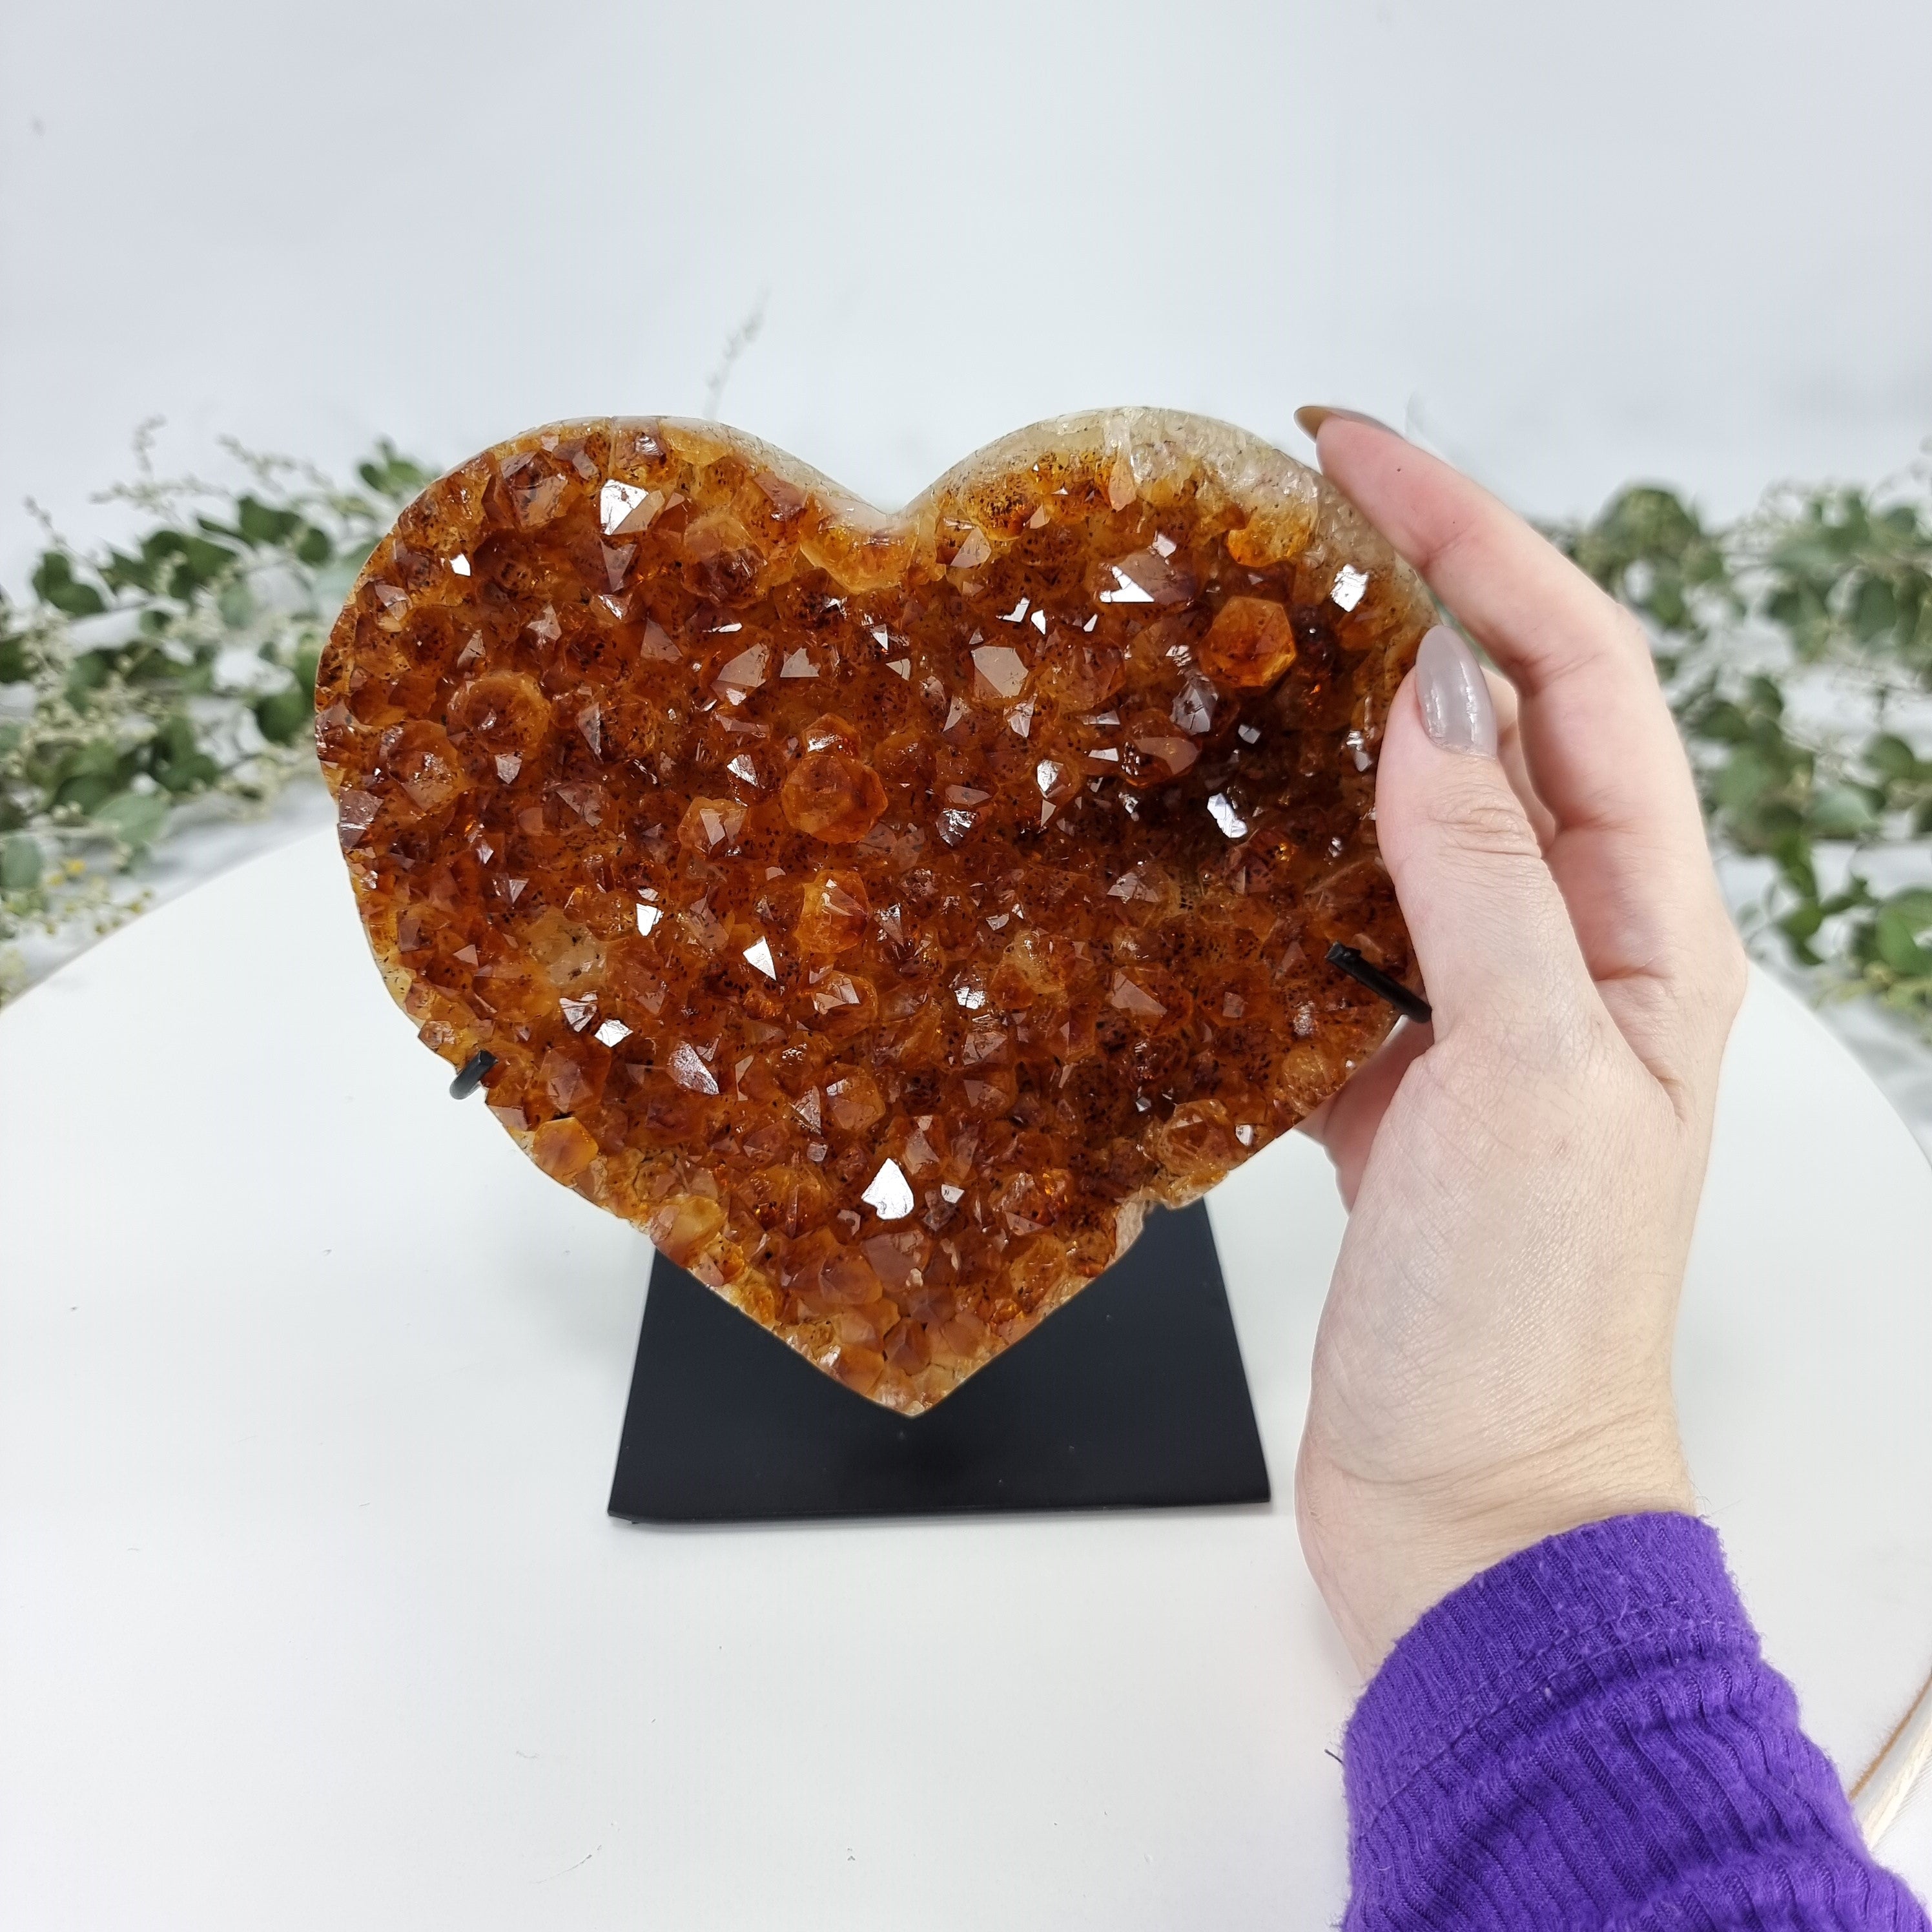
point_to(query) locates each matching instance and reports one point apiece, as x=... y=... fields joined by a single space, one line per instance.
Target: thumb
x=1489 y=927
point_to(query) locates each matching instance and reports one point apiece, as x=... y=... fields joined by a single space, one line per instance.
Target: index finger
x=1601 y=746
x=1628 y=852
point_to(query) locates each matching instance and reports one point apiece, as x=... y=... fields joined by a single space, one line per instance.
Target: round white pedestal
x=310 y=1614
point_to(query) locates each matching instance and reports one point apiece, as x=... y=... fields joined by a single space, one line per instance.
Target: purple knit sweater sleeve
x=1586 y=1736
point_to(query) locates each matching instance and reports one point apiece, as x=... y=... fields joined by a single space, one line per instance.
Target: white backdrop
x=1573 y=245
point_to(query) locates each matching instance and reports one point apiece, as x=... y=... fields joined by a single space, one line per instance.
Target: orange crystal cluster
x=880 y=911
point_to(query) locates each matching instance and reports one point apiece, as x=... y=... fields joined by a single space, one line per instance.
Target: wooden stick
x=1879 y=1796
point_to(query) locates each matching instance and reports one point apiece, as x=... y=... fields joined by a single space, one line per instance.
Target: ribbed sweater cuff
x=1585 y=1735
x=1657 y=1580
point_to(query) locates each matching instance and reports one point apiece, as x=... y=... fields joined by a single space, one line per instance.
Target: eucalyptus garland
x=176 y=672
x=1795 y=646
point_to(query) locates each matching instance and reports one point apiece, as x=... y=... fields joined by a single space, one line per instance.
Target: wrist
x=1382 y=1553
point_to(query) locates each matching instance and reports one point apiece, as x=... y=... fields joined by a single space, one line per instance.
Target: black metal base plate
x=1132 y=1396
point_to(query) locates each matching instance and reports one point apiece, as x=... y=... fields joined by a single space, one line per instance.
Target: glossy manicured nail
x=1455 y=696
x=1312 y=415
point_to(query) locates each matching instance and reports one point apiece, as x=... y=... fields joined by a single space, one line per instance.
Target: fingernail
x=1312 y=415
x=1454 y=694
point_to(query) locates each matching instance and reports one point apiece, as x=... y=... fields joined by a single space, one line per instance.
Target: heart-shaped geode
x=880 y=911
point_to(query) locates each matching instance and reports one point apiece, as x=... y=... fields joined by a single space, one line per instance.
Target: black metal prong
x=1410 y=1005
x=469 y=1075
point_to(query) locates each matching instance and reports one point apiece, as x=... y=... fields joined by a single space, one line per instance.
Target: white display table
x=310 y=1615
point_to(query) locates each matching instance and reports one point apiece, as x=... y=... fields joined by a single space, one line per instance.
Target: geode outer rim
x=1159 y=445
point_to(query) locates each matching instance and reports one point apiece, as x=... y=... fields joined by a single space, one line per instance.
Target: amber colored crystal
x=880 y=912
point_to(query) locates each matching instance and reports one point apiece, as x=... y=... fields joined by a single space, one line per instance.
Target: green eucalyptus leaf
x=1803 y=921
x=1842 y=811
x=176 y=761
x=122 y=572
x=87 y=673
x=95 y=758
x=1914 y=905
x=1861 y=942
x=1898 y=929
x=1773 y=826
x=283 y=714
x=1746 y=776
x=1666 y=602
x=1792 y=605
x=1792 y=850
x=133 y=818
x=392 y=476
x=22 y=864
x=86 y=794
x=1874 y=610
x=54 y=584
x=258 y=524
x=1720 y=720
x=1892 y=757
x=198 y=562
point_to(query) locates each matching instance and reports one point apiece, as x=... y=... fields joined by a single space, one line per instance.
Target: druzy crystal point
x=880 y=911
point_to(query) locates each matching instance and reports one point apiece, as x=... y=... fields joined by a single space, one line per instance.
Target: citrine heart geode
x=880 y=911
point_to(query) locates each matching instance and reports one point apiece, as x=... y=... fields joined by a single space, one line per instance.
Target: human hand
x=1493 y=1362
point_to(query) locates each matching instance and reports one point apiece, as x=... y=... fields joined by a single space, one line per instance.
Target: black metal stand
x=1132 y=1396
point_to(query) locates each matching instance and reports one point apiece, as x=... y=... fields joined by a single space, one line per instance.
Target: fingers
x=1624 y=839
x=1491 y=931
x=1598 y=737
